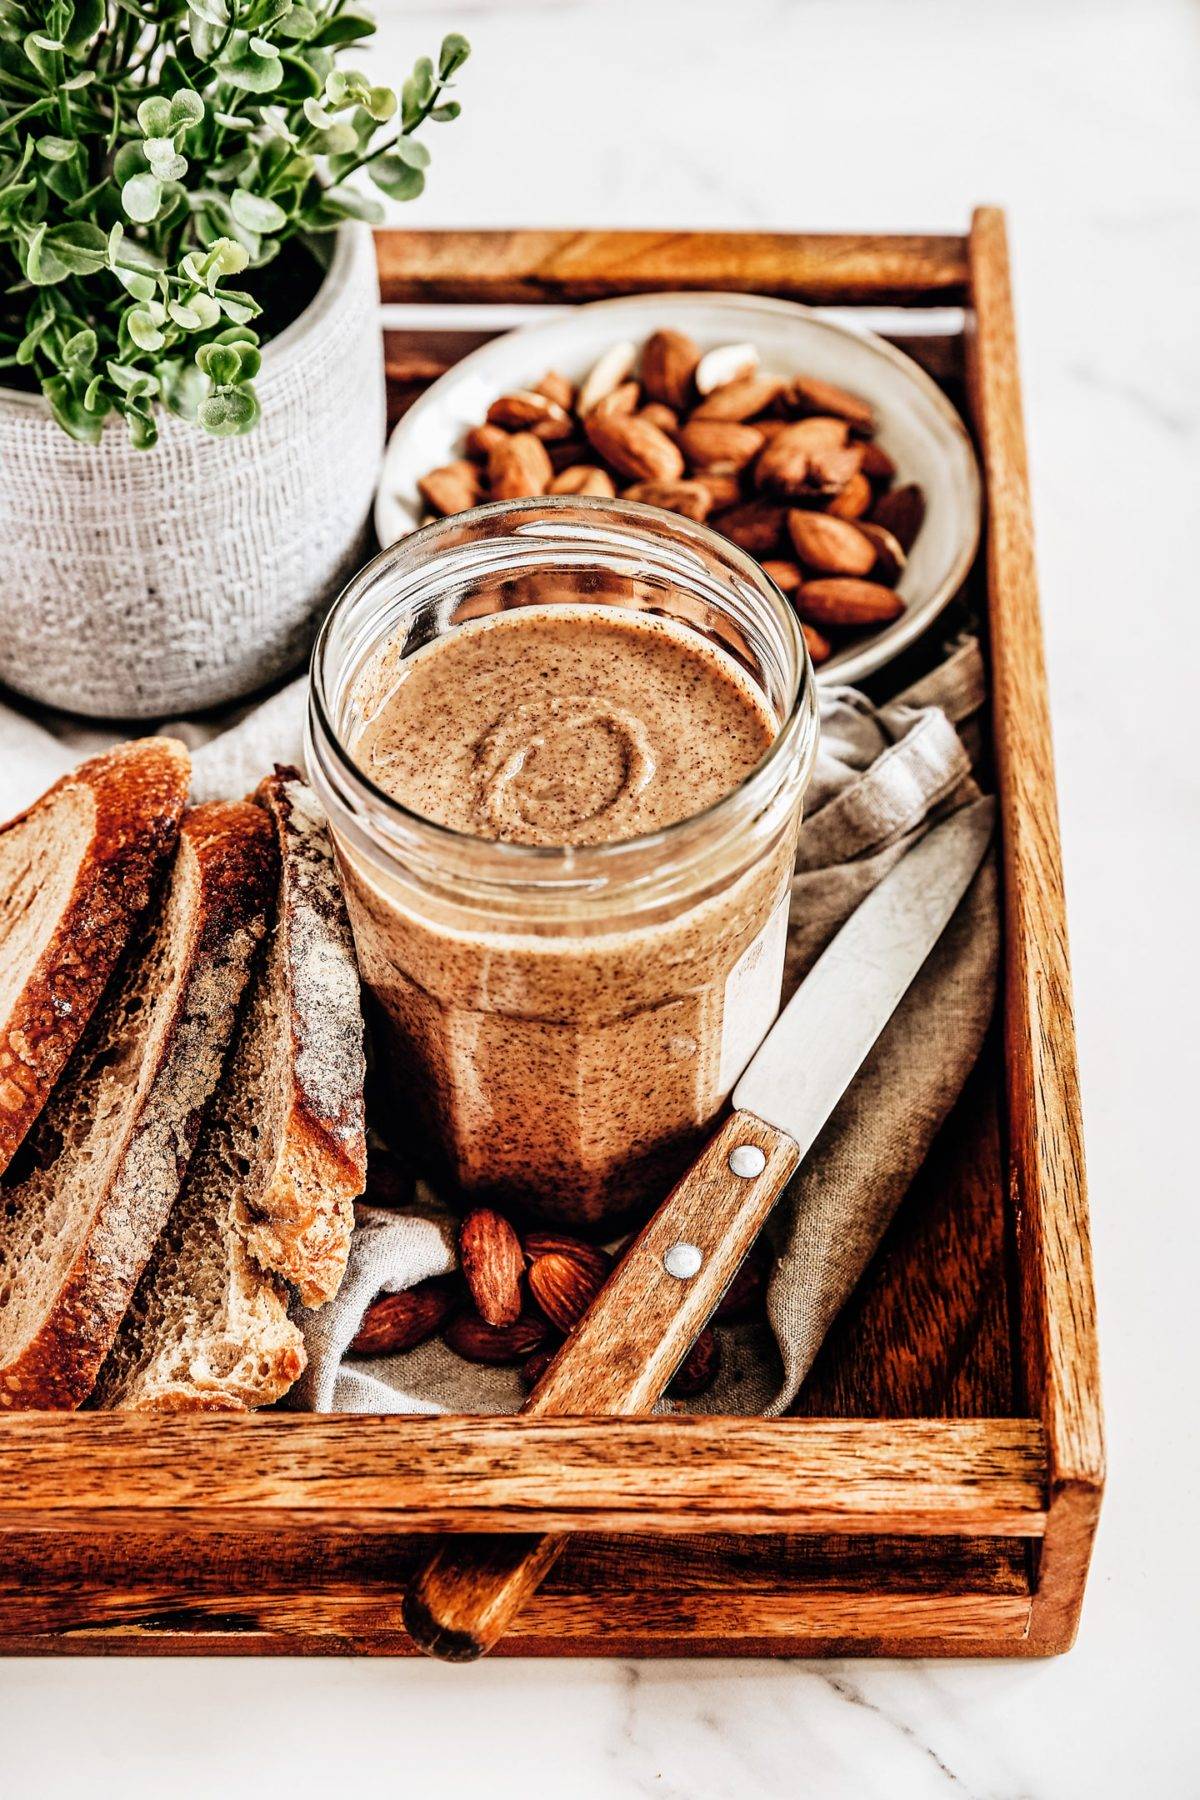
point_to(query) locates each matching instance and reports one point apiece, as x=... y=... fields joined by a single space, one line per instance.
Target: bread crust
x=139 y=791
x=303 y=1220
x=237 y=866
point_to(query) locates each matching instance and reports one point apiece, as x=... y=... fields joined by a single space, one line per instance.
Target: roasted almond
x=452 y=489
x=536 y=1367
x=843 y=600
x=852 y=501
x=889 y=552
x=481 y=440
x=725 y=490
x=563 y=1287
x=808 y=395
x=902 y=512
x=620 y=403
x=398 y=1322
x=583 y=478
x=691 y=498
x=747 y=1291
x=518 y=466
x=493 y=1264
x=635 y=448
x=833 y=546
x=785 y=575
x=476 y=1341
x=830 y=470
x=756 y=526
x=669 y=363
x=606 y=374
x=819 y=648
x=876 y=463
x=560 y=1243
x=728 y=362
x=520 y=410
x=663 y=416
x=739 y=400
x=699 y=1368
x=556 y=387
x=786 y=461
x=719 y=446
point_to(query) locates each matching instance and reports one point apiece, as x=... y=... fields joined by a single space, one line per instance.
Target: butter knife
x=626 y=1348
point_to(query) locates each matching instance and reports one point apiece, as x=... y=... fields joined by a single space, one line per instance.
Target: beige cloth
x=883 y=776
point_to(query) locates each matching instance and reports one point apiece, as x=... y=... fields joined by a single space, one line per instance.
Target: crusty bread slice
x=281 y=1157
x=76 y=869
x=89 y=1192
x=298 y=1221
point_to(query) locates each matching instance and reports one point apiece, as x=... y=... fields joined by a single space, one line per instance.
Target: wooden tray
x=939 y=1494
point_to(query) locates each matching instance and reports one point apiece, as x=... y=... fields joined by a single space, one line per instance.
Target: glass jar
x=559 y=1026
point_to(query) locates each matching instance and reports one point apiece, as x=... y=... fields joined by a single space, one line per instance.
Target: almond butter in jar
x=563 y=745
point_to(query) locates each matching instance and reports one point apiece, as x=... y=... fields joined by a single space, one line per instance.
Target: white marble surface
x=1083 y=120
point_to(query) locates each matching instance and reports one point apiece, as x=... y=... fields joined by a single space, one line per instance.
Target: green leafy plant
x=153 y=151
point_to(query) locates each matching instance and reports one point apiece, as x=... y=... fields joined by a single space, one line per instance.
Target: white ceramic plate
x=917 y=425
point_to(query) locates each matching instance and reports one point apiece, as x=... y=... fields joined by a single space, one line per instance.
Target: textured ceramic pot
x=139 y=584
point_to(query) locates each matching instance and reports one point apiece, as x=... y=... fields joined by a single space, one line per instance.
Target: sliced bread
x=281 y=1157
x=76 y=869
x=85 y=1198
x=309 y=1027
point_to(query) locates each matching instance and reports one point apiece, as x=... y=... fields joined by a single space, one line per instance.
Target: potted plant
x=192 y=408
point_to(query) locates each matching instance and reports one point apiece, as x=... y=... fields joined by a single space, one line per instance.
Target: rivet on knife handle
x=618 y=1360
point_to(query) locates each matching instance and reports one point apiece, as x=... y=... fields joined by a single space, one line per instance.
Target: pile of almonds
x=518 y=1298
x=787 y=469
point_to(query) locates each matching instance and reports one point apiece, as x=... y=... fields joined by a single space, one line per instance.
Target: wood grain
x=594 y=265
x=254 y=1592
x=353 y=1472
x=1058 y=1324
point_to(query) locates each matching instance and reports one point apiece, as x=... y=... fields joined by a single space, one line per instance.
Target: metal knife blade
x=821 y=1038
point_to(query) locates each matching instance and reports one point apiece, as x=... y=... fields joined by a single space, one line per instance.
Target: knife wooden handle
x=619 y=1359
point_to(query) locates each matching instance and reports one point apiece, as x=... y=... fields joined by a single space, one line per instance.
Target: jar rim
x=540 y=863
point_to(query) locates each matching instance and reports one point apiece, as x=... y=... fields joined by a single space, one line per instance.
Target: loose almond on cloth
x=884 y=775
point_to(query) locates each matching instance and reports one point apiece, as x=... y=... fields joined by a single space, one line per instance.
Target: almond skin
x=556 y=387
x=843 y=600
x=635 y=448
x=663 y=416
x=809 y=395
x=519 y=411
x=620 y=403
x=452 y=489
x=669 y=363
x=719 y=446
x=739 y=400
x=757 y=526
x=398 y=1322
x=518 y=467
x=889 y=552
x=558 y=1243
x=583 y=478
x=830 y=470
x=493 y=1264
x=476 y=1341
x=877 y=464
x=699 y=1368
x=785 y=575
x=786 y=463
x=481 y=440
x=563 y=1287
x=725 y=490
x=691 y=498
x=854 y=500
x=902 y=512
x=830 y=545
x=819 y=648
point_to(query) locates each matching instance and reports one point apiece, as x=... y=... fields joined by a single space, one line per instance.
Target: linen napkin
x=884 y=775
